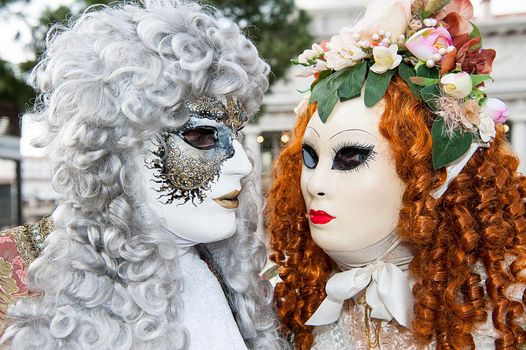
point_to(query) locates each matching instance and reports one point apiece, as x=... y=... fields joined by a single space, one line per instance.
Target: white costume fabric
x=206 y=314
x=349 y=331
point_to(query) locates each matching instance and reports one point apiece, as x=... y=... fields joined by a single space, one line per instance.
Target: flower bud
x=496 y=110
x=457 y=85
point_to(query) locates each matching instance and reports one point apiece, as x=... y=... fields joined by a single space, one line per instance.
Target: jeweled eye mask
x=188 y=160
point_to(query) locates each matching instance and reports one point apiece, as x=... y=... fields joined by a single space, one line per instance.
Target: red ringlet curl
x=479 y=222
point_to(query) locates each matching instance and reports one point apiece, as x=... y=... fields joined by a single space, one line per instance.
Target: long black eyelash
x=360 y=145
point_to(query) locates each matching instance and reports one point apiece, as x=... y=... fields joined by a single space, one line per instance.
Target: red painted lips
x=319 y=217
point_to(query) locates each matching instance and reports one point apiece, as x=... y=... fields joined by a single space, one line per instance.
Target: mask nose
x=239 y=164
x=318 y=182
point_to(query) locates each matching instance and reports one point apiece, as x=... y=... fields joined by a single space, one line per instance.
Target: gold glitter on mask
x=183 y=177
x=232 y=115
x=184 y=170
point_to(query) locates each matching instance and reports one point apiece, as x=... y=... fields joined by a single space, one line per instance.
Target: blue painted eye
x=310 y=158
x=351 y=157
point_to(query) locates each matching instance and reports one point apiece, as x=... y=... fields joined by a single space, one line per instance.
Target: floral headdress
x=438 y=52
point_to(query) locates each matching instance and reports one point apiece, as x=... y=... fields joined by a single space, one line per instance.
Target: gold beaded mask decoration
x=189 y=159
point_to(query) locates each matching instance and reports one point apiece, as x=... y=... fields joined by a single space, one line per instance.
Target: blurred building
x=506 y=34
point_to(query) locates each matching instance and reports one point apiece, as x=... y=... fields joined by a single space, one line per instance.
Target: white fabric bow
x=388 y=294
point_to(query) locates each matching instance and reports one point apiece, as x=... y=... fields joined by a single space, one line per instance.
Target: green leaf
x=477 y=79
x=325 y=93
x=423 y=81
x=406 y=72
x=476 y=33
x=322 y=76
x=326 y=105
x=423 y=71
x=429 y=94
x=351 y=87
x=376 y=86
x=446 y=150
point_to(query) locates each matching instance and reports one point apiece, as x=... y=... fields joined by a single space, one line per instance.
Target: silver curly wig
x=108 y=277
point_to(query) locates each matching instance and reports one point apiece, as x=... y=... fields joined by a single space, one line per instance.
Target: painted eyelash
x=354 y=144
x=363 y=146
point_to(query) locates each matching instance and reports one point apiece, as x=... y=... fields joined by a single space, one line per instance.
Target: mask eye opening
x=202 y=137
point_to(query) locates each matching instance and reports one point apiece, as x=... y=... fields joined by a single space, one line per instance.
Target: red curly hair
x=480 y=218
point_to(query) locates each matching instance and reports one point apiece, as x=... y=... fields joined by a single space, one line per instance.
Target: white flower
x=385 y=58
x=391 y=16
x=486 y=129
x=309 y=55
x=344 y=51
x=307 y=71
x=457 y=85
x=320 y=66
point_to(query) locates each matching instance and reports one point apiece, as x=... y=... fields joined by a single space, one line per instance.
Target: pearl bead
x=430 y=22
x=381 y=32
x=437 y=57
x=356 y=36
x=401 y=37
x=365 y=44
x=450 y=48
x=375 y=37
x=388 y=35
x=442 y=51
x=430 y=64
x=386 y=41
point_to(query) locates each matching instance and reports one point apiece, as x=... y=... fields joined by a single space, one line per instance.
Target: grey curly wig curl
x=108 y=277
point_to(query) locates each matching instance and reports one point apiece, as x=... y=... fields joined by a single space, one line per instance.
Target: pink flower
x=457 y=85
x=496 y=110
x=425 y=43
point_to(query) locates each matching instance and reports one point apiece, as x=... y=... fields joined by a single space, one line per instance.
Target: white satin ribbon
x=454 y=169
x=388 y=294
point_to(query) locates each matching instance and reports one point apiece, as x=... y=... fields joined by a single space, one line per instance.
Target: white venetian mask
x=349 y=182
x=193 y=174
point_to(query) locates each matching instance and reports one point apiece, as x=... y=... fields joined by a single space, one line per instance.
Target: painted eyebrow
x=341 y=132
x=317 y=133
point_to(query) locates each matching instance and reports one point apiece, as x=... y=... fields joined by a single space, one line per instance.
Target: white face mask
x=349 y=182
x=193 y=175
